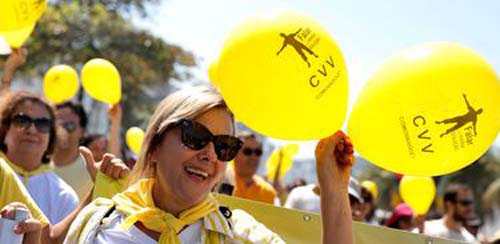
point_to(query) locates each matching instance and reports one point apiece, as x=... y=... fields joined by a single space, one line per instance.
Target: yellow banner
x=296 y=226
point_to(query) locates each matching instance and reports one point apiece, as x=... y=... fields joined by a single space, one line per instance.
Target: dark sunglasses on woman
x=196 y=136
x=42 y=125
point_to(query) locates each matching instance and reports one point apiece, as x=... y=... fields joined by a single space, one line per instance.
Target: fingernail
x=17 y=229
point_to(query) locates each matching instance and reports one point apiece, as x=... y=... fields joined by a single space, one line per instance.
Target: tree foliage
x=72 y=32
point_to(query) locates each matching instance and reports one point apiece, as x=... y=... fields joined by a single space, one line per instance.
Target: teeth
x=197 y=172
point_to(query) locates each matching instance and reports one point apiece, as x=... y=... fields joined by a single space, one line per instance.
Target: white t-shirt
x=438 y=228
x=304 y=198
x=55 y=198
x=112 y=232
x=76 y=176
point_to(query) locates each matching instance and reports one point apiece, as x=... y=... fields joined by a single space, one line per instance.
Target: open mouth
x=196 y=172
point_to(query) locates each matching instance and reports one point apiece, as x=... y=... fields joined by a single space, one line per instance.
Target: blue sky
x=367 y=31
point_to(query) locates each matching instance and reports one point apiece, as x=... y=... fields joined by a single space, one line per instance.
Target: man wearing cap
x=307 y=198
x=459 y=206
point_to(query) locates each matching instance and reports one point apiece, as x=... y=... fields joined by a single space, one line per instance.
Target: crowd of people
x=51 y=166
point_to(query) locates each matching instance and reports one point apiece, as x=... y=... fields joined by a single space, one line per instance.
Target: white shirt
x=113 y=233
x=438 y=228
x=55 y=198
x=304 y=198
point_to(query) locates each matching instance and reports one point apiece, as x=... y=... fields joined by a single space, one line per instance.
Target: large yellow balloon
x=18 y=19
x=134 y=138
x=60 y=83
x=429 y=110
x=101 y=80
x=283 y=75
x=371 y=187
x=283 y=155
x=418 y=192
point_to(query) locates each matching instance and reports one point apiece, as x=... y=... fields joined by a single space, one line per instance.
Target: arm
x=109 y=166
x=282 y=47
x=334 y=160
x=57 y=233
x=16 y=59
x=467 y=102
x=115 y=116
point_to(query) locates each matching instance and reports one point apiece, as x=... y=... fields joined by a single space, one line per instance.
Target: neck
x=247 y=179
x=63 y=157
x=164 y=201
x=451 y=223
x=27 y=161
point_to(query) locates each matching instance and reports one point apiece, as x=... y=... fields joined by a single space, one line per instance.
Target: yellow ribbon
x=43 y=168
x=137 y=204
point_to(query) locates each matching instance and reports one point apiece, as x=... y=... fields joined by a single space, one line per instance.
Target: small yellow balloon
x=18 y=19
x=429 y=110
x=371 y=187
x=283 y=155
x=134 y=138
x=60 y=83
x=283 y=75
x=212 y=73
x=418 y=192
x=101 y=80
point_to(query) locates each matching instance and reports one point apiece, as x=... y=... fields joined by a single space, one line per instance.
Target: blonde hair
x=189 y=103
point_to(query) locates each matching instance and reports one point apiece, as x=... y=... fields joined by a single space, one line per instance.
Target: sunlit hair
x=188 y=103
x=8 y=105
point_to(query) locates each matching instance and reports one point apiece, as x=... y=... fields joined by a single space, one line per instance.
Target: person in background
x=307 y=198
x=402 y=218
x=247 y=184
x=459 y=206
x=66 y=161
x=27 y=140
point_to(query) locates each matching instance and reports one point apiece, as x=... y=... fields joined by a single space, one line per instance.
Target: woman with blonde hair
x=188 y=141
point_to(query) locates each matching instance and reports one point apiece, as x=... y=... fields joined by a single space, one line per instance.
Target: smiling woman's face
x=186 y=175
x=28 y=140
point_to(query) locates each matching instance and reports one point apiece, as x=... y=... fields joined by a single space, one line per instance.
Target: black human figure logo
x=297 y=45
x=461 y=120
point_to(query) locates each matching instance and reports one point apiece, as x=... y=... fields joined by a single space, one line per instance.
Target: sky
x=368 y=32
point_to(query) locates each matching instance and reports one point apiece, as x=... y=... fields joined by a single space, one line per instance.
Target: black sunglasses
x=248 y=151
x=42 y=125
x=465 y=203
x=196 y=136
x=69 y=126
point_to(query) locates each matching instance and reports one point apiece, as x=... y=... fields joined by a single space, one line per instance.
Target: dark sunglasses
x=42 y=125
x=465 y=203
x=248 y=151
x=69 y=126
x=196 y=136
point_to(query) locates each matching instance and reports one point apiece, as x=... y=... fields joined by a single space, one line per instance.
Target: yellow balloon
x=60 y=83
x=371 y=187
x=418 y=192
x=134 y=138
x=283 y=75
x=212 y=73
x=429 y=110
x=101 y=80
x=284 y=155
x=18 y=19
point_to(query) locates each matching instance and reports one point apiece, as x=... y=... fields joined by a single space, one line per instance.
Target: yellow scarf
x=137 y=204
x=43 y=168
